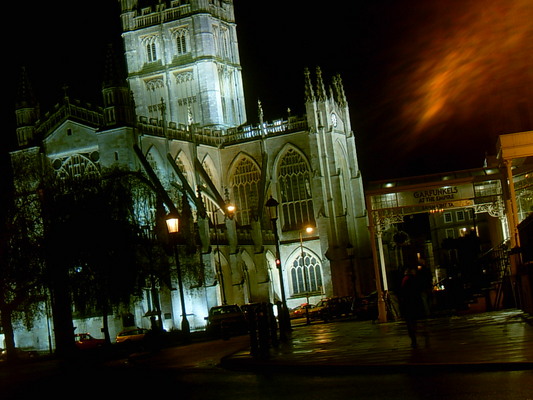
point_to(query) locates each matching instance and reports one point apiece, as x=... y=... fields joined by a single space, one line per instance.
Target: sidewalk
x=499 y=340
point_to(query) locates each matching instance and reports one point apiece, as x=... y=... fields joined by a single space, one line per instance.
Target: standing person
x=425 y=281
x=411 y=302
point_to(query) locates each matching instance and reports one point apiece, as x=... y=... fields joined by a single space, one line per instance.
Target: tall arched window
x=306 y=274
x=295 y=187
x=245 y=190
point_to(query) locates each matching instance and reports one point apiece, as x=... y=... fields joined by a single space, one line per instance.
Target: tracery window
x=306 y=274
x=151 y=52
x=150 y=46
x=181 y=41
x=245 y=185
x=77 y=166
x=295 y=187
x=222 y=41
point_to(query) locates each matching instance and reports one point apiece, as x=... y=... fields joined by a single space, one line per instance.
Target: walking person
x=411 y=306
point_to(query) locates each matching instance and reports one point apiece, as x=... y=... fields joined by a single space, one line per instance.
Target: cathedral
x=175 y=110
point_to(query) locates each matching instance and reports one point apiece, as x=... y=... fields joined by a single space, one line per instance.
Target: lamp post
x=308 y=229
x=173 y=229
x=285 y=323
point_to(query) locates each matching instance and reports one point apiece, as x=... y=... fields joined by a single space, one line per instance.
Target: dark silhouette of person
x=425 y=282
x=411 y=306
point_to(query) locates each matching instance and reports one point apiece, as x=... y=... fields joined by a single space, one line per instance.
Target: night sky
x=430 y=84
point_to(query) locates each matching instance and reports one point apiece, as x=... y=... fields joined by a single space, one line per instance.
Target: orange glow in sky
x=468 y=59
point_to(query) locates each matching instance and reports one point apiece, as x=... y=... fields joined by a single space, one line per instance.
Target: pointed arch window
x=151 y=52
x=306 y=274
x=150 y=46
x=182 y=42
x=295 y=187
x=245 y=185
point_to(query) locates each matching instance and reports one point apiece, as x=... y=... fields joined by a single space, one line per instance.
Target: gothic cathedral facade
x=180 y=112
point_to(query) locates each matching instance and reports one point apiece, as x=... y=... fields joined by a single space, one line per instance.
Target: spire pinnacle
x=320 y=89
x=309 y=93
x=338 y=90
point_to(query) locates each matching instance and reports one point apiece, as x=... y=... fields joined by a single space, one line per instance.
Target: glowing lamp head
x=272 y=206
x=172 y=223
x=230 y=208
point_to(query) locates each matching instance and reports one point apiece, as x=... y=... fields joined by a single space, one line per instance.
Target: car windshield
x=225 y=310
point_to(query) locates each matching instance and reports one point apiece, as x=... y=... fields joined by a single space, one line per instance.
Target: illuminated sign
x=444 y=197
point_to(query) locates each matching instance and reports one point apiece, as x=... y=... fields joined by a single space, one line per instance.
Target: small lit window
x=151 y=52
x=181 y=42
x=448 y=217
x=460 y=215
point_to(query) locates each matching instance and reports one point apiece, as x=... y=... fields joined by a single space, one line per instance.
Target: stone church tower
x=183 y=61
x=178 y=113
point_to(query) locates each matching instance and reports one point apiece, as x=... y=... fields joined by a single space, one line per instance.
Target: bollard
x=252 y=328
x=273 y=325
x=263 y=330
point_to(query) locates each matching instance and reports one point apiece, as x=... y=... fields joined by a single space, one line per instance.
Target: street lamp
x=308 y=229
x=285 y=323
x=173 y=229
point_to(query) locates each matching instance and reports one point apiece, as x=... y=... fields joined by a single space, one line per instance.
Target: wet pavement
x=499 y=340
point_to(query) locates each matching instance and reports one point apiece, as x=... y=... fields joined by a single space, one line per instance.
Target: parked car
x=320 y=311
x=332 y=308
x=131 y=335
x=225 y=321
x=250 y=307
x=300 y=311
x=85 y=341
